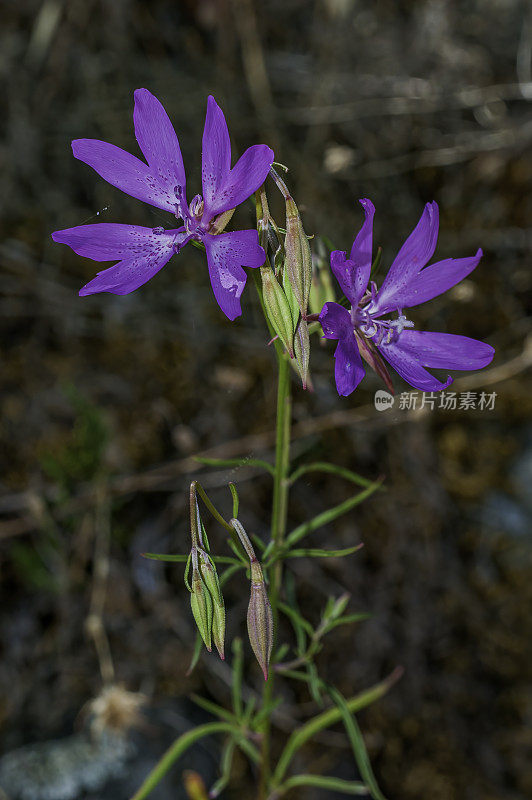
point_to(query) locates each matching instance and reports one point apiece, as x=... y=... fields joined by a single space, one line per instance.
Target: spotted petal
x=227 y=253
x=154 y=182
x=140 y=253
x=335 y=321
x=225 y=188
x=415 y=350
x=159 y=143
x=436 y=279
x=417 y=250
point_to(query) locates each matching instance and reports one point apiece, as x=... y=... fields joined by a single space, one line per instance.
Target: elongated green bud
x=292 y=299
x=210 y=578
x=298 y=261
x=302 y=351
x=201 y=604
x=260 y=619
x=278 y=309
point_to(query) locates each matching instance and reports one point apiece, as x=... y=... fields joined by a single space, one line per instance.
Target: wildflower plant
x=367 y=323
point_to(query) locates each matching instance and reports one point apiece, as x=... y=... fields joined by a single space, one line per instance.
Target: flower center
x=380 y=331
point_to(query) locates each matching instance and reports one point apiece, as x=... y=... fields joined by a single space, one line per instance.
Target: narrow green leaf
x=236 y=462
x=325 y=466
x=214 y=708
x=297 y=675
x=347 y=620
x=198 y=646
x=226 y=762
x=331 y=514
x=236 y=550
x=258 y=542
x=182 y=558
x=296 y=619
x=176 y=750
x=315 y=683
x=281 y=652
x=357 y=743
x=249 y=709
x=315 y=552
x=229 y=572
x=265 y=712
x=249 y=749
x=323 y=782
x=234 y=494
x=328 y=718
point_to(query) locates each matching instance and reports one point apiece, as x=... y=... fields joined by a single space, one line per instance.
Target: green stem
x=281 y=489
x=177 y=749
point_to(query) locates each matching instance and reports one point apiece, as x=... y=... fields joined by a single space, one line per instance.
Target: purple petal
x=141 y=253
x=348 y=369
x=409 y=368
x=227 y=253
x=215 y=151
x=348 y=276
x=126 y=172
x=158 y=142
x=225 y=188
x=417 y=349
x=335 y=321
x=438 y=278
x=362 y=248
x=411 y=258
x=446 y=350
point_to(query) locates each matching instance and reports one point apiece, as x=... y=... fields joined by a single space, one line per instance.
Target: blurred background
x=105 y=399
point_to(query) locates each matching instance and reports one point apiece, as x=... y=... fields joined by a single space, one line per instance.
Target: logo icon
x=383 y=400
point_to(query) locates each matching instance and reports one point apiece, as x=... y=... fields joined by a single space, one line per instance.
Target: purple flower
x=142 y=252
x=366 y=328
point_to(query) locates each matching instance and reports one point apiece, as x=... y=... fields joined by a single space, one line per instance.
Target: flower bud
x=210 y=578
x=201 y=604
x=302 y=351
x=298 y=261
x=278 y=309
x=260 y=619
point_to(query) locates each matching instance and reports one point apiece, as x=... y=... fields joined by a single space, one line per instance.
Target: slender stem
x=281 y=489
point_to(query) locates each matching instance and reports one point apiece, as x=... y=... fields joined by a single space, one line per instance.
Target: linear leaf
x=249 y=749
x=296 y=619
x=324 y=782
x=325 y=466
x=357 y=743
x=328 y=718
x=315 y=552
x=226 y=762
x=214 y=708
x=236 y=462
x=234 y=495
x=331 y=514
x=198 y=646
x=175 y=750
x=229 y=572
x=265 y=712
x=181 y=558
